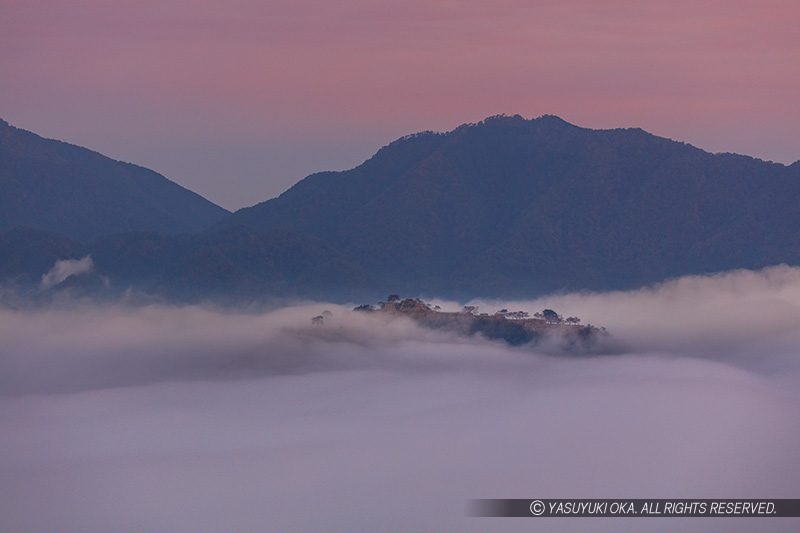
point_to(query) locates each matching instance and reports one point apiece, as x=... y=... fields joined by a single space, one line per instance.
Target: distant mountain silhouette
x=507 y=207
x=511 y=206
x=235 y=264
x=26 y=254
x=62 y=188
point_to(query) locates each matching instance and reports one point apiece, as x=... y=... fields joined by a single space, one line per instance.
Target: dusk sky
x=238 y=100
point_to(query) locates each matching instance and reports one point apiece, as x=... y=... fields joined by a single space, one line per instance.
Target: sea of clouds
x=162 y=418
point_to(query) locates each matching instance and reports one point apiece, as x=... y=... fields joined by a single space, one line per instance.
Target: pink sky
x=240 y=99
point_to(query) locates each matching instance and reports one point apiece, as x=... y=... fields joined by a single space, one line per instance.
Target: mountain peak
x=56 y=186
x=503 y=119
x=515 y=205
x=553 y=119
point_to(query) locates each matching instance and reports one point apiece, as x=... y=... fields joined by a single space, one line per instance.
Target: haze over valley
x=193 y=417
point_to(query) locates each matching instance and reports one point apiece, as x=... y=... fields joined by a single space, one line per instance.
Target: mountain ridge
x=443 y=210
x=56 y=186
x=505 y=207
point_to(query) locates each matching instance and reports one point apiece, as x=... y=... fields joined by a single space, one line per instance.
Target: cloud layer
x=195 y=419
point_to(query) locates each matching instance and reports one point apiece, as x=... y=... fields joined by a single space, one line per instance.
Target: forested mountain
x=505 y=207
x=63 y=188
x=516 y=206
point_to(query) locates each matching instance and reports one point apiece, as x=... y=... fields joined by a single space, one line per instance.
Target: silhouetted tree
x=551 y=316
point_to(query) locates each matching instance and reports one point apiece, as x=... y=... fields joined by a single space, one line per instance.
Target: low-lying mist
x=159 y=418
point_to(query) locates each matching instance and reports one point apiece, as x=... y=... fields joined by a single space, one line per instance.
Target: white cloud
x=65 y=268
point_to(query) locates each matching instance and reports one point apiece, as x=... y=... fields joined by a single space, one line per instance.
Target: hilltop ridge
x=505 y=207
x=62 y=188
x=514 y=327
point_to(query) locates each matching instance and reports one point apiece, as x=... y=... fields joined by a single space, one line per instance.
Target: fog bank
x=193 y=419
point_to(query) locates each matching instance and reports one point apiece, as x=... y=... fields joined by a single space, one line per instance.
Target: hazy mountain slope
x=237 y=263
x=512 y=205
x=59 y=187
x=26 y=254
x=506 y=207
